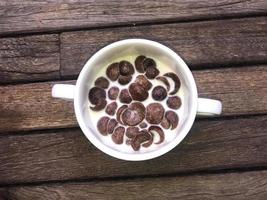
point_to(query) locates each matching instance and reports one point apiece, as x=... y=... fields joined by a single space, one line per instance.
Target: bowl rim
x=147 y=155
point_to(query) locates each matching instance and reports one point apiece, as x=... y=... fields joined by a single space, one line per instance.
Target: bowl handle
x=63 y=91
x=209 y=107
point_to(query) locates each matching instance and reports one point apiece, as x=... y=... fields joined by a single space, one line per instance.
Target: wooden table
x=44 y=154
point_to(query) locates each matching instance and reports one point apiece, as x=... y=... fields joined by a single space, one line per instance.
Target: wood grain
x=241 y=90
x=32 y=16
x=67 y=154
x=201 y=44
x=30 y=106
x=29 y=58
x=232 y=186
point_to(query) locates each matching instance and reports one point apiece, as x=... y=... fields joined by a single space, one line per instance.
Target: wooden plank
x=232 y=186
x=30 y=106
x=29 y=58
x=32 y=16
x=67 y=154
x=241 y=90
x=201 y=44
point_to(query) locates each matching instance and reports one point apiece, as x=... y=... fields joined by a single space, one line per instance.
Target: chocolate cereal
x=138 y=92
x=154 y=113
x=113 y=92
x=125 y=96
x=111 y=108
x=102 y=82
x=174 y=102
x=118 y=134
x=159 y=93
x=131 y=119
x=113 y=71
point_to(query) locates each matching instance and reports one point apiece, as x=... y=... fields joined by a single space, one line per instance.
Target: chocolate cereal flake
x=96 y=94
x=149 y=62
x=176 y=81
x=154 y=113
x=111 y=108
x=137 y=92
x=111 y=125
x=101 y=104
x=139 y=63
x=151 y=72
x=143 y=137
x=118 y=134
x=113 y=71
x=126 y=68
x=174 y=102
x=165 y=123
x=143 y=125
x=159 y=131
x=142 y=81
x=164 y=81
x=119 y=112
x=102 y=125
x=102 y=82
x=173 y=118
x=134 y=114
x=123 y=80
x=113 y=92
x=149 y=139
x=128 y=142
x=132 y=131
x=159 y=93
x=125 y=96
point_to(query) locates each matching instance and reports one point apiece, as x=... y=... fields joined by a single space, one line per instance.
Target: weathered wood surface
x=30 y=106
x=241 y=90
x=232 y=186
x=201 y=44
x=32 y=16
x=29 y=58
x=32 y=151
x=67 y=154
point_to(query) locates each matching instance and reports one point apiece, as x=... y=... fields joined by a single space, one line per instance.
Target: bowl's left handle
x=63 y=91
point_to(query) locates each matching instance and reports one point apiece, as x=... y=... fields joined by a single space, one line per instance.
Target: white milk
x=169 y=134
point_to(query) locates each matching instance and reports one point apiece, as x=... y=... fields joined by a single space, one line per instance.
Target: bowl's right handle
x=209 y=107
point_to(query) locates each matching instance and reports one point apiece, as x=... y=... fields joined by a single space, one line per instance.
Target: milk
x=169 y=134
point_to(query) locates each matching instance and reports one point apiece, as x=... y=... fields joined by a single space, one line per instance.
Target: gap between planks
x=241 y=90
x=67 y=155
x=44 y=16
x=208 y=44
x=244 y=185
x=125 y=25
x=138 y=177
